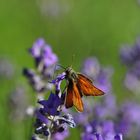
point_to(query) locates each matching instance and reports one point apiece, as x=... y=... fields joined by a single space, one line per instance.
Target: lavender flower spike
x=57 y=82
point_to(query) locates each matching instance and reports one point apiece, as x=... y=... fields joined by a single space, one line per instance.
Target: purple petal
x=37 y=47
x=118 y=137
x=41 y=117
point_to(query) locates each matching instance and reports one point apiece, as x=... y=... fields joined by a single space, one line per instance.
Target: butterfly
x=78 y=85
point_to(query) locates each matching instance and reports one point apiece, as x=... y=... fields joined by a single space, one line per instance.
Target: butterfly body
x=77 y=86
x=71 y=74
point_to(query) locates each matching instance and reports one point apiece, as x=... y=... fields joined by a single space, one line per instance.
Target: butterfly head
x=70 y=74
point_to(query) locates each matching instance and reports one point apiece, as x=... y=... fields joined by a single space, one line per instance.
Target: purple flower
x=134 y=80
x=96 y=136
x=131 y=112
x=103 y=80
x=128 y=120
x=136 y=69
x=86 y=136
x=51 y=111
x=91 y=67
x=105 y=108
x=57 y=82
x=133 y=77
x=118 y=137
x=35 y=80
x=36 y=49
x=108 y=127
x=51 y=105
x=61 y=136
x=49 y=58
x=100 y=130
x=103 y=127
x=126 y=55
x=130 y=56
x=83 y=117
x=124 y=126
x=45 y=61
x=99 y=137
x=43 y=54
x=40 y=115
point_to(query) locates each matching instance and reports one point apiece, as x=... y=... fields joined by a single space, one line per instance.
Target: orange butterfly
x=77 y=86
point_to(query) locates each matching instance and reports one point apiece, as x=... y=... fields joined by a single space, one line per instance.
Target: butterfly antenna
x=73 y=57
x=61 y=66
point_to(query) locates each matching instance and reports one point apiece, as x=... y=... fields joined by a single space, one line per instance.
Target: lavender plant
x=130 y=57
x=96 y=122
x=52 y=118
x=105 y=120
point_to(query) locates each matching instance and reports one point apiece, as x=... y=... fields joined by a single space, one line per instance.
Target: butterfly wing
x=69 y=95
x=86 y=86
x=77 y=100
x=73 y=97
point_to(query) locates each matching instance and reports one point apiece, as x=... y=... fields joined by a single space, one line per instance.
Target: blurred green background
x=82 y=28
